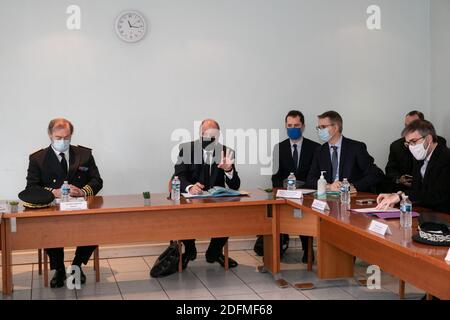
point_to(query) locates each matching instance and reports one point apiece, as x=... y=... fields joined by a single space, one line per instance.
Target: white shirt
x=423 y=170
x=299 y=149
x=66 y=155
x=229 y=175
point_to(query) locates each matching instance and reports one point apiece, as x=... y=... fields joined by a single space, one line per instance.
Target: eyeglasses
x=412 y=143
x=324 y=126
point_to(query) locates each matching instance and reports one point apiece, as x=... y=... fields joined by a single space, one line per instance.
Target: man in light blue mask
x=341 y=158
x=49 y=168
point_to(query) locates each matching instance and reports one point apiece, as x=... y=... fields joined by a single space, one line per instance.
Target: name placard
x=73 y=205
x=447 y=258
x=379 y=228
x=290 y=194
x=320 y=205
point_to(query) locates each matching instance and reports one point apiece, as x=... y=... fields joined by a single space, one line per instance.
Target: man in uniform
x=49 y=168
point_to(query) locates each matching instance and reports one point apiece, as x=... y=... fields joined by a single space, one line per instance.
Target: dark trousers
x=215 y=248
x=56 y=256
x=304 y=240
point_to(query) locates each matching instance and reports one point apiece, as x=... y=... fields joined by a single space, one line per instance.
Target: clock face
x=131 y=26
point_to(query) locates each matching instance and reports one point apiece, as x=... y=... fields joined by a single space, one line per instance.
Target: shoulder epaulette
x=84 y=147
x=32 y=154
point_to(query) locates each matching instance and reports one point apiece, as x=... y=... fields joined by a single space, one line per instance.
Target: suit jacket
x=190 y=167
x=355 y=164
x=433 y=191
x=45 y=170
x=400 y=161
x=283 y=154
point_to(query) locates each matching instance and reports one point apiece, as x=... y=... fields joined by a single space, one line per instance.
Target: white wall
x=440 y=72
x=243 y=62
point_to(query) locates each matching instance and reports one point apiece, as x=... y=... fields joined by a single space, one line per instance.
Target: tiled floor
x=128 y=278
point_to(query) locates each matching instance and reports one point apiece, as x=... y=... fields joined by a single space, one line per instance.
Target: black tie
x=295 y=157
x=334 y=162
x=63 y=164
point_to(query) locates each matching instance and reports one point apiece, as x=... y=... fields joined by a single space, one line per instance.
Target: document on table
x=383 y=214
x=216 y=192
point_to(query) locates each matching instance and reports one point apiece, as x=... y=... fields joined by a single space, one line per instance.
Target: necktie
x=423 y=169
x=63 y=164
x=334 y=162
x=295 y=157
x=208 y=163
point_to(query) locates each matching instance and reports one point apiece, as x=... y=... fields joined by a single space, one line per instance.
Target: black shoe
x=188 y=256
x=58 y=279
x=221 y=260
x=305 y=257
x=82 y=276
x=432 y=298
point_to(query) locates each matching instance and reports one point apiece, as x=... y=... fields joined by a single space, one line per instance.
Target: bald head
x=58 y=124
x=209 y=128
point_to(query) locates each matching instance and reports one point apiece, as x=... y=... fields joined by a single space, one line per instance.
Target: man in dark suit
x=295 y=155
x=49 y=168
x=342 y=158
x=431 y=170
x=201 y=165
x=400 y=163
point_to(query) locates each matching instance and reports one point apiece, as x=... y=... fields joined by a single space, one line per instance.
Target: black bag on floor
x=167 y=262
x=259 y=244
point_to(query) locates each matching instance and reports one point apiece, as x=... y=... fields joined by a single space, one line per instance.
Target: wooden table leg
x=332 y=263
x=401 y=289
x=6 y=257
x=97 y=264
x=40 y=261
x=310 y=253
x=272 y=248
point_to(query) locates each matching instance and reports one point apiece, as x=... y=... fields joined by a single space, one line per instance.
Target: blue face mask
x=324 y=134
x=61 y=145
x=294 y=133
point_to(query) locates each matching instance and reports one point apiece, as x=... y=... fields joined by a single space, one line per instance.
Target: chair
x=46 y=262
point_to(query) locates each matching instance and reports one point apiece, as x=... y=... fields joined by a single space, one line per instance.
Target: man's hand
x=75 y=191
x=57 y=193
x=196 y=189
x=387 y=200
x=227 y=161
x=335 y=186
x=405 y=180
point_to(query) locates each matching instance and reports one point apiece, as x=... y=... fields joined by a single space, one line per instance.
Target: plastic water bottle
x=65 y=191
x=345 y=191
x=175 y=189
x=291 y=182
x=405 y=212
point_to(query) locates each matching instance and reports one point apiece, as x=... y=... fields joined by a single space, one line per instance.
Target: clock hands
x=131 y=26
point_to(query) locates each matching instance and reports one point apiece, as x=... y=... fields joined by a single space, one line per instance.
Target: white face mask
x=61 y=145
x=419 y=152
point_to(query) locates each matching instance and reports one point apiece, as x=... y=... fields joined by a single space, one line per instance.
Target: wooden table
x=343 y=235
x=126 y=219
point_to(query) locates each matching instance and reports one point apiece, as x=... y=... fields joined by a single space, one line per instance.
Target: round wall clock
x=131 y=26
